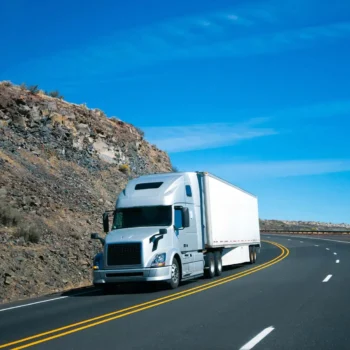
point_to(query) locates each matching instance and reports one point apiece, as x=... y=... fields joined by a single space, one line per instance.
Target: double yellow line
x=79 y=326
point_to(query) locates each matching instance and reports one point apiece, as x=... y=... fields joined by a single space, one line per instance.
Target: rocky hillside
x=61 y=166
x=302 y=225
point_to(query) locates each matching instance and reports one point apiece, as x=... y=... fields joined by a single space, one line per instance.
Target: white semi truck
x=174 y=227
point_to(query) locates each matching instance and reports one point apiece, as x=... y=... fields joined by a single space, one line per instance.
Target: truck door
x=187 y=237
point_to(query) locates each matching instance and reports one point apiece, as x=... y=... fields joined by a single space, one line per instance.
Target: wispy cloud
x=231 y=33
x=184 y=138
x=276 y=169
x=175 y=139
x=317 y=110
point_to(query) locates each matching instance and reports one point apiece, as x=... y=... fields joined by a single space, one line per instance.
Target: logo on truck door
x=155 y=239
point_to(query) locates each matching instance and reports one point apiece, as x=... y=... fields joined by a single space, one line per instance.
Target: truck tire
x=210 y=271
x=218 y=263
x=175 y=274
x=251 y=255
x=255 y=255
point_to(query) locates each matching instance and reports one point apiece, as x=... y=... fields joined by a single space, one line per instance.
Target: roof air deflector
x=148 y=185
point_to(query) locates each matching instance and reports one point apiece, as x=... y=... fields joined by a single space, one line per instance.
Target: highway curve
x=295 y=297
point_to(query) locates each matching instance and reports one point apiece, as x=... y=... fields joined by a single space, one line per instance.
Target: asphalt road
x=295 y=297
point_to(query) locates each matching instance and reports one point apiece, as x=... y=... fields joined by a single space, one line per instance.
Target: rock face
x=61 y=166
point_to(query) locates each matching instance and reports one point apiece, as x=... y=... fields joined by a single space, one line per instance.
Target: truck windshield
x=142 y=216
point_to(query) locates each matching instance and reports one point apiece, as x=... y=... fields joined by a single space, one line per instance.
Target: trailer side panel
x=232 y=213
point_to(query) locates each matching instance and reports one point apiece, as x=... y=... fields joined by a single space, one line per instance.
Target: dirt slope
x=61 y=166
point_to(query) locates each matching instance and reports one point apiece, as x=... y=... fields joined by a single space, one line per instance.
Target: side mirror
x=105 y=218
x=96 y=236
x=185 y=217
x=163 y=231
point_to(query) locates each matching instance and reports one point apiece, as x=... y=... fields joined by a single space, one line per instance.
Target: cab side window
x=178 y=218
x=188 y=191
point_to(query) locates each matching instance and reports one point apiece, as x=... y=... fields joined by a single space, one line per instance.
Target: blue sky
x=256 y=92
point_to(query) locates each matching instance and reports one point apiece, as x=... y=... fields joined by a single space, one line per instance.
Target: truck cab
x=155 y=233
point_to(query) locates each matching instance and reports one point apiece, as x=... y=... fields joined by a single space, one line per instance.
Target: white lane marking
x=327 y=278
x=37 y=302
x=320 y=239
x=335 y=253
x=259 y=337
x=327 y=248
x=289 y=239
x=329 y=240
x=43 y=301
x=301 y=242
x=337 y=261
x=268 y=237
x=316 y=245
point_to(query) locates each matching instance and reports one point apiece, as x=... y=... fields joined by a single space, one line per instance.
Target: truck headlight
x=159 y=260
x=98 y=262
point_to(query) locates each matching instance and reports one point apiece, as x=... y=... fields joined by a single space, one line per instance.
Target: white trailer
x=177 y=226
x=232 y=220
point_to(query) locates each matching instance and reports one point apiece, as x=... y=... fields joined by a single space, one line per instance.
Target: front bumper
x=132 y=275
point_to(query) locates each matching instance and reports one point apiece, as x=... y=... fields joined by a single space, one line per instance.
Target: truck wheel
x=210 y=272
x=251 y=255
x=255 y=255
x=218 y=263
x=175 y=275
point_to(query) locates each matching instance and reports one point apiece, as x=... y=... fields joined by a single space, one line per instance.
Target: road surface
x=295 y=297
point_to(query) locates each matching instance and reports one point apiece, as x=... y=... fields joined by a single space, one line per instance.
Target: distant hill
x=301 y=225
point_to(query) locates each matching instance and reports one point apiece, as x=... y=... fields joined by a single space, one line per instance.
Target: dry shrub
x=6 y=83
x=141 y=132
x=34 y=89
x=9 y=216
x=30 y=232
x=54 y=93
x=124 y=168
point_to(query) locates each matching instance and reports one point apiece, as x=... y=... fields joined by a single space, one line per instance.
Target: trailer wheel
x=210 y=271
x=255 y=255
x=175 y=274
x=251 y=255
x=218 y=263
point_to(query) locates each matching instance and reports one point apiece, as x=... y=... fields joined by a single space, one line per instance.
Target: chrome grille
x=124 y=254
